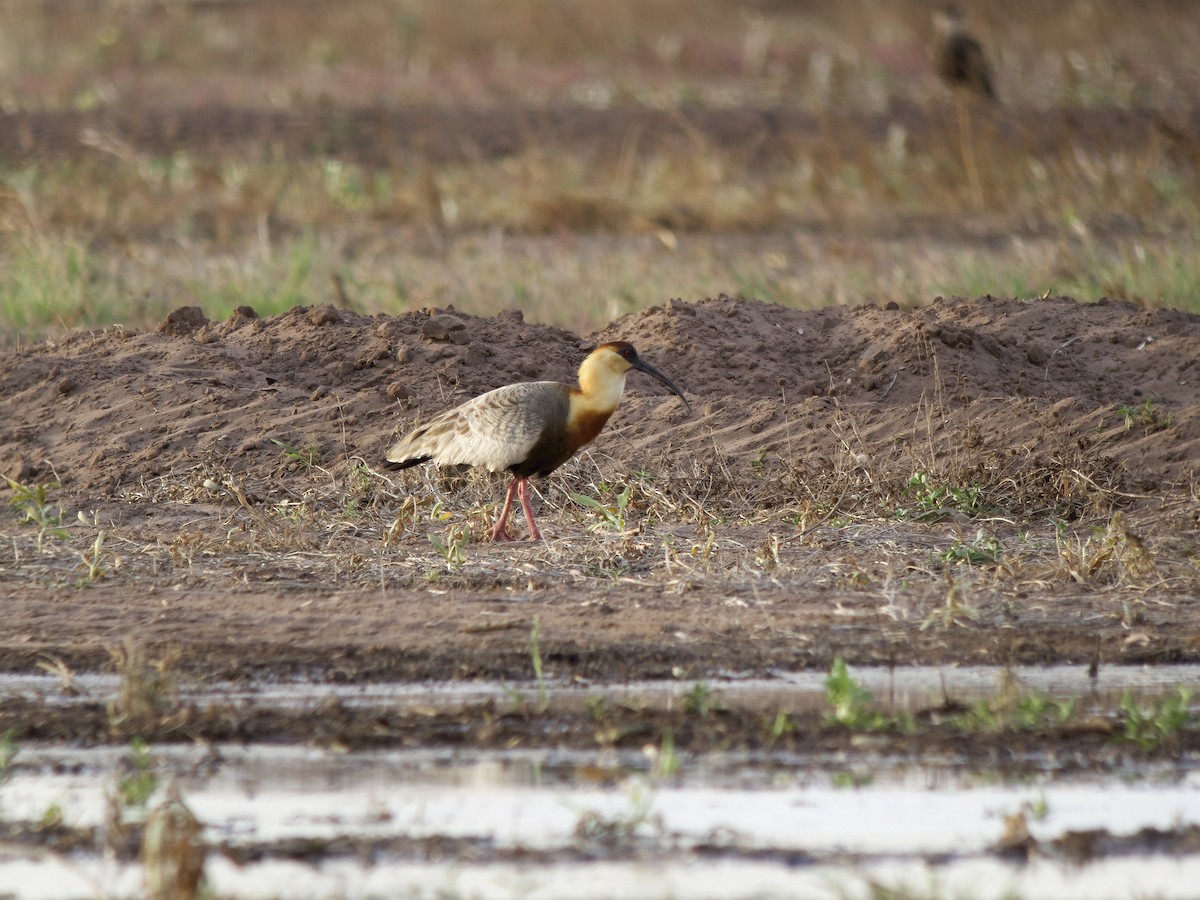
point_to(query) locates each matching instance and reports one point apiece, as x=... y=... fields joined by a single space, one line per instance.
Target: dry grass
x=78 y=256
x=849 y=216
x=816 y=54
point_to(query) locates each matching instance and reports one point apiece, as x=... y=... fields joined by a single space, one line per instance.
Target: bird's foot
x=503 y=537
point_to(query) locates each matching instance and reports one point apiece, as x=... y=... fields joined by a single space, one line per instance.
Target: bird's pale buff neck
x=601 y=381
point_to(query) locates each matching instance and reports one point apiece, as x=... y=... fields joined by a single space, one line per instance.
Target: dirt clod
x=182 y=321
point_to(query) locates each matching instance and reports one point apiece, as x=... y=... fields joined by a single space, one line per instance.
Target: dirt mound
x=103 y=409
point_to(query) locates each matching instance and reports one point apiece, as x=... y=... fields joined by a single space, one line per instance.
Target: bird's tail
x=394 y=464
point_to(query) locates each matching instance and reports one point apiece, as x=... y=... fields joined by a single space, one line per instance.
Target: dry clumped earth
x=234 y=468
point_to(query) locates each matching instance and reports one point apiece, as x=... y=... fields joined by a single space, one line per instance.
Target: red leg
x=500 y=532
x=523 y=493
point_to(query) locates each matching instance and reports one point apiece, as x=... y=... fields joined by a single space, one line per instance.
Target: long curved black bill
x=642 y=366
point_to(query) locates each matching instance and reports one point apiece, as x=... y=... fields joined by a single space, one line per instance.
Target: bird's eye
x=629 y=353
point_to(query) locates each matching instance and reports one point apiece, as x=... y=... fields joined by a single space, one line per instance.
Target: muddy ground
x=221 y=498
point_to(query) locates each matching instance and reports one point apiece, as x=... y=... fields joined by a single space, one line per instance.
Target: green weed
x=33 y=505
x=52 y=816
x=982 y=551
x=8 y=750
x=453 y=545
x=702 y=701
x=853 y=705
x=306 y=457
x=781 y=725
x=666 y=761
x=535 y=657
x=95 y=557
x=758 y=461
x=278 y=278
x=935 y=501
x=136 y=788
x=1145 y=416
x=612 y=516
x=597 y=708
x=1158 y=725
x=1029 y=712
x=852 y=779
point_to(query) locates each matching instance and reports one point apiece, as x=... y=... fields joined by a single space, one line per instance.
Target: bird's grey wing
x=496 y=429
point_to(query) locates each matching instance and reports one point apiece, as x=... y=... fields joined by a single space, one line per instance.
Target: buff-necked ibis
x=530 y=428
x=957 y=56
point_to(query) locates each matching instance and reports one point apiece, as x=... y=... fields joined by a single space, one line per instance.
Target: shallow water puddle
x=516 y=825
x=306 y=822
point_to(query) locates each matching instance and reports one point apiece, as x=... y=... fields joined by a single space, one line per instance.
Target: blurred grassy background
x=869 y=183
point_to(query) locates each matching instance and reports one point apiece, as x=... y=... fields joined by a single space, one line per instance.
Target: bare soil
x=774 y=528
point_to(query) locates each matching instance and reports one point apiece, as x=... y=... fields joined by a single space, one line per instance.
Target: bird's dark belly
x=557 y=445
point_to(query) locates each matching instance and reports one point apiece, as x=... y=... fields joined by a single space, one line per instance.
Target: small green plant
x=597 y=708
x=781 y=725
x=852 y=703
x=666 y=760
x=93 y=558
x=516 y=698
x=52 y=816
x=1028 y=712
x=136 y=788
x=702 y=701
x=982 y=551
x=306 y=457
x=535 y=656
x=758 y=462
x=612 y=517
x=1158 y=725
x=1039 y=809
x=33 y=505
x=1039 y=711
x=8 y=750
x=937 y=501
x=852 y=778
x=453 y=545
x=1145 y=416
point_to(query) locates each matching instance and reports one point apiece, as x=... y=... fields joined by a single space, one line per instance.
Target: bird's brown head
x=618 y=357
